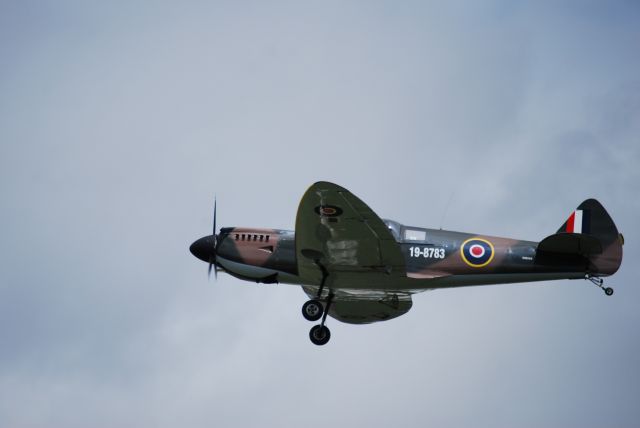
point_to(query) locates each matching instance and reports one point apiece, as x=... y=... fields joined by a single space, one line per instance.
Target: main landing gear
x=313 y=310
x=599 y=283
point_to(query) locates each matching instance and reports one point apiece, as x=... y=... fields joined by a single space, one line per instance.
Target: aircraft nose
x=204 y=248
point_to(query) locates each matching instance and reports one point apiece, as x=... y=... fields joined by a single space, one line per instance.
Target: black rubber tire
x=312 y=310
x=319 y=335
x=608 y=291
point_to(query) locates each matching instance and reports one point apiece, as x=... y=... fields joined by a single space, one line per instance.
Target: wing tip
x=323 y=183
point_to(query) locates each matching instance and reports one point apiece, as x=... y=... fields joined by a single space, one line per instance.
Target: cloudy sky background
x=119 y=121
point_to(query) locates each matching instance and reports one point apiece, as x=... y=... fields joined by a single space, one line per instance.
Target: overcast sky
x=119 y=121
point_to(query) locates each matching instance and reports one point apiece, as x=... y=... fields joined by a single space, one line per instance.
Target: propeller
x=212 y=257
x=206 y=248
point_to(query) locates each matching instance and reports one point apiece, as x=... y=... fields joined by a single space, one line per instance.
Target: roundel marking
x=328 y=210
x=477 y=252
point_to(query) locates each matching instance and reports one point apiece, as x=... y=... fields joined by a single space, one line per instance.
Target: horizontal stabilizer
x=571 y=243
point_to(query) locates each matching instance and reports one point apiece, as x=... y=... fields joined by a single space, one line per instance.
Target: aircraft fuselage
x=434 y=259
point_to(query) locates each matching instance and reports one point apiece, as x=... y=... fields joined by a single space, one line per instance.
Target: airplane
x=359 y=268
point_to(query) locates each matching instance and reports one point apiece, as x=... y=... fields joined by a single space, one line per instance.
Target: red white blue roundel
x=477 y=252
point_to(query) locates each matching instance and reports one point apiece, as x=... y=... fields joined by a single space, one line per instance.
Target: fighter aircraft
x=361 y=269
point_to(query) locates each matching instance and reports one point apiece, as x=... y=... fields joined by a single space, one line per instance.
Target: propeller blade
x=214 y=216
x=212 y=260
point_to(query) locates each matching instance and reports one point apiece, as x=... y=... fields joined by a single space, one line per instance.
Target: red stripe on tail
x=570 y=222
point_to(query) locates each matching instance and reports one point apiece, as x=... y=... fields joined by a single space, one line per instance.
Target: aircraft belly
x=256 y=272
x=501 y=278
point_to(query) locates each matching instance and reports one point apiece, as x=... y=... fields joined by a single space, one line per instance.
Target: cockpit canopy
x=395 y=228
x=403 y=233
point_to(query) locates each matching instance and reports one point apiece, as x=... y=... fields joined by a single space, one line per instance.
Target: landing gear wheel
x=608 y=291
x=312 y=310
x=319 y=334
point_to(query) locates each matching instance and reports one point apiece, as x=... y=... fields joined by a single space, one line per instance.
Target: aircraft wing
x=338 y=232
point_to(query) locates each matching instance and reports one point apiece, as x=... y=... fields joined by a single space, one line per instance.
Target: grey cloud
x=119 y=123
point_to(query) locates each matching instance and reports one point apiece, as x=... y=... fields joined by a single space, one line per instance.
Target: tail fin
x=589 y=232
x=592 y=219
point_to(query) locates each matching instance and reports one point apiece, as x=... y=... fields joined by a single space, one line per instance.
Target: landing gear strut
x=320 y=334
x=598 y=282
x=313 y=310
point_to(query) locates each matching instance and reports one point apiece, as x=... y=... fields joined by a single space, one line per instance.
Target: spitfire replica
x=360 y=269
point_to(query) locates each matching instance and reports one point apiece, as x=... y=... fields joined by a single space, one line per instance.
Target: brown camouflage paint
x=268 y=248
